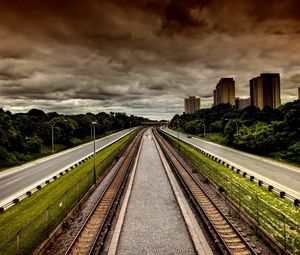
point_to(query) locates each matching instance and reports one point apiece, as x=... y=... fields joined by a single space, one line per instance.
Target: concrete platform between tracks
x=157 y=219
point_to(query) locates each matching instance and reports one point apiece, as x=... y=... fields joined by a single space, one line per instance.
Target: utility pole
x=52 y=135
x=91 y=132
x=94 y=123
x=236 y=125
x=204 y=124
x=52 y=132
x=178 y=135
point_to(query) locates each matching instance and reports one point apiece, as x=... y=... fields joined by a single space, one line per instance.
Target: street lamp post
x=91 y=132
x=94 y=123
x=204 y=124
x=52 y=133
x=236 y=125
x=52 y=137
x=178 y=134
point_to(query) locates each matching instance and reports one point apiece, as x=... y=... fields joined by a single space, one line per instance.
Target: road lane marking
x=46 y=166
x=67 y=157
x=12 y=181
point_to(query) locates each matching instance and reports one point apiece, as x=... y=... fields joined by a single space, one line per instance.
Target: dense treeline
x=26 y=136
x=269 y=132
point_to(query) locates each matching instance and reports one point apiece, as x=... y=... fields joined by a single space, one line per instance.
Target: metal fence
x=285 y=230
x=29 y=237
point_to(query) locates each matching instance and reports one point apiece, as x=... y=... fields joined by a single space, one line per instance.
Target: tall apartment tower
x=191 y=105
x=265 y=90
x=225 y=91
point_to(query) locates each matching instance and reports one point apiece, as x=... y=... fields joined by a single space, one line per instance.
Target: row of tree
x=26 y=136
x=269 y=132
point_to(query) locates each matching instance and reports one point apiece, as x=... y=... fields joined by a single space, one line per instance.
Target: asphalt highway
x=18 y=179
x=282 y=176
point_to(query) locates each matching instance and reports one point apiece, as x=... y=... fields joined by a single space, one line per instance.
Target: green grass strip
x=278 y=216
x=36 y=216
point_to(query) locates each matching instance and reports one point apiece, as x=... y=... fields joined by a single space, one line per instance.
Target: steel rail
x=232 y=242
x=104 y=205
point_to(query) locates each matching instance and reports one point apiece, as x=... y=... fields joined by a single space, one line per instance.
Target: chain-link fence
x=35 y=232
x=285 y=230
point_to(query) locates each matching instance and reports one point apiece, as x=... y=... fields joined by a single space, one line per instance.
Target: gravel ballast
x=153 y=222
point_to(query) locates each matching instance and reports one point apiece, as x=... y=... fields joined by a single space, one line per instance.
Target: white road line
x=46 y=166
x=67 y=157
x=12 y=181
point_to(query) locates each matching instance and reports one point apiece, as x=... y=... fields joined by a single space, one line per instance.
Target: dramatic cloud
x=141 y=57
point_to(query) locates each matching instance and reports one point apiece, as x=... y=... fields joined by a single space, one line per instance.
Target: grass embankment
x=216 y=137
x=277 y=216
x=36 y=216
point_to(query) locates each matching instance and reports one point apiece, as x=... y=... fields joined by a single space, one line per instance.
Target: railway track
x=90 y=238
x=229 y=240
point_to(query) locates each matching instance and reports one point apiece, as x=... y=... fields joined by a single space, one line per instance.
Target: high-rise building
x=215 y=97
x=242 y=103
x=256 y=92
x=191 y=105
x=265 y=90
x=225 y=91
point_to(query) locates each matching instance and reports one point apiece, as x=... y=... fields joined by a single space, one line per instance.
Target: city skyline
x=142 y=57
x=264 y=90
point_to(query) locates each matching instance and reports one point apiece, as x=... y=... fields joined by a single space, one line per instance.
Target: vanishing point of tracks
x=229 y=239
x=92 y=234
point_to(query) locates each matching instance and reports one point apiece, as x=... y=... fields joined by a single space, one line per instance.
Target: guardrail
x=251 y=177
x=58 y=174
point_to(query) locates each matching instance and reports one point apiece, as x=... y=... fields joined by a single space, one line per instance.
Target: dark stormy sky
x=141 y=56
